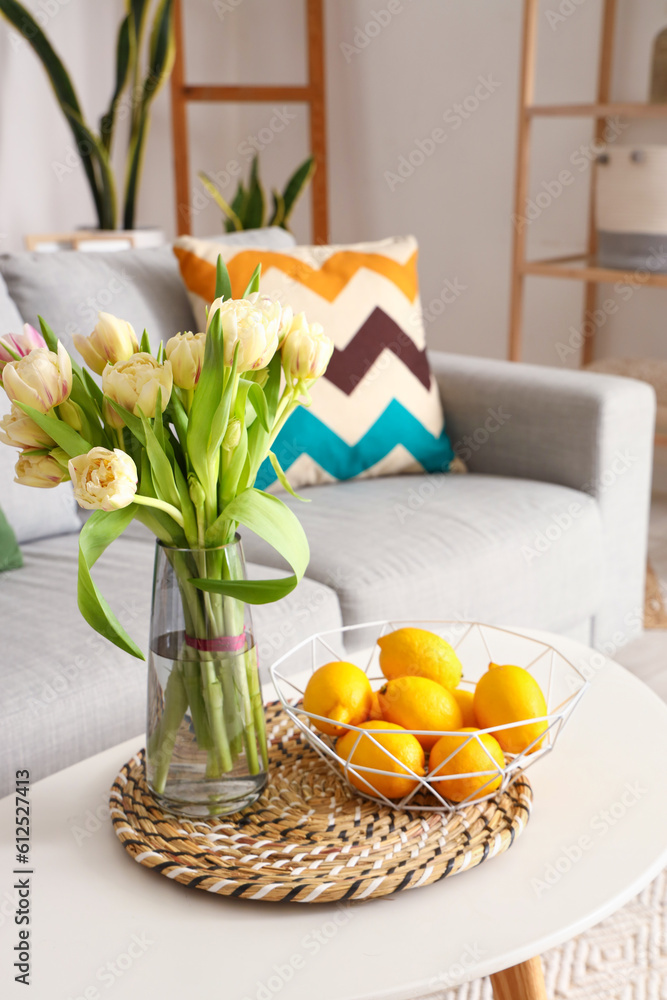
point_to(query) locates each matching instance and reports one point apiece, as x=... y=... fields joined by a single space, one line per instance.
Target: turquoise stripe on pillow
x=305 y=434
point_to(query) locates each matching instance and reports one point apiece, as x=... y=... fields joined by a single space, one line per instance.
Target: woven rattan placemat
x=310 y=838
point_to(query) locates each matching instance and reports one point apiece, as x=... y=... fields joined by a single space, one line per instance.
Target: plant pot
x=91 y=240
x=206 y=736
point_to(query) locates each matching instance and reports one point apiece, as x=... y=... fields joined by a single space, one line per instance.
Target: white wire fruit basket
x=476 y=645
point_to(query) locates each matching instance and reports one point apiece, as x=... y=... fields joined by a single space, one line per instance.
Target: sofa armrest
x=590 y=432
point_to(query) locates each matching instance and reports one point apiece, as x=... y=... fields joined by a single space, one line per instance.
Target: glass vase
x=206 y=749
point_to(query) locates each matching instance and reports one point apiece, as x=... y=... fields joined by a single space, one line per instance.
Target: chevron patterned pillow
x=377 y=411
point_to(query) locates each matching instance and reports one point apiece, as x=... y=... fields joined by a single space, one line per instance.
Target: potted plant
x=134 y=89
x=248 y=207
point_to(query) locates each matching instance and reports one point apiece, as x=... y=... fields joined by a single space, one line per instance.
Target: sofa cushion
x=506 y=551
x=66 y=692
x=377 y=410
x=70 y=287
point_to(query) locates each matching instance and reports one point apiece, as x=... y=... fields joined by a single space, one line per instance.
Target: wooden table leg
x=521 y=982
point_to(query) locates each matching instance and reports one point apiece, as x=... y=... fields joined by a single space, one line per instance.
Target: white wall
x=388 y=89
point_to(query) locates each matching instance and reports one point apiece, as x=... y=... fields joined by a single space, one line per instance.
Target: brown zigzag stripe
x=380 y=332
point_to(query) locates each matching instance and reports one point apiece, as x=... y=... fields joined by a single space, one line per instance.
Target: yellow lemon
x=418 y=653
x=420 y=703
x=510 y=694
x=376 y=711
x=340 y=692
x=469 y=759
x=367 y=753
x=464 y=698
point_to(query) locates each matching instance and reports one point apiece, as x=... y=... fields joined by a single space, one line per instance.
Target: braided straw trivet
x=309 y=838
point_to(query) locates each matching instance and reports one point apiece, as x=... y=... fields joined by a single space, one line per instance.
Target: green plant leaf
x=107 y=184
x=278 y=209
x=253 y=284
x=256 y=203
x=47 y=332
x=65 y=436
x=162 y=51
x=133 y=423
x=205 y=404
x=145 y=344
x=92 y=388
x=269 y=518
x=99 y=531
x=238 y=206
x=223 y=285
x=296 y=186
x=124 y=53
x=226 y=208
x=283 y=480
x=161 y=470
x=258 y=402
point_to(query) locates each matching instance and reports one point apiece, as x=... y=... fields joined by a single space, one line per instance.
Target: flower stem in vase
x=175 y=707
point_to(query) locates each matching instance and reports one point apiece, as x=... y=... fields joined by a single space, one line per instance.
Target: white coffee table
x=101 y=922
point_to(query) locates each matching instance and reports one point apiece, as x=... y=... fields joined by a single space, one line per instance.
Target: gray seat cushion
x=66 y=692
x=454 y=546
x=69 y=288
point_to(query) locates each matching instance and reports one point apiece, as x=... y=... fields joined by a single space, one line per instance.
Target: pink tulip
x=19 y=343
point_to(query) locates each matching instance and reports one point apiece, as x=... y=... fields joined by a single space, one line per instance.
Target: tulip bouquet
x=175 y=439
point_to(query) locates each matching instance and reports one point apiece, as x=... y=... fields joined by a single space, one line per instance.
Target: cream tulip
x=103 y=479
x=185 y=351
x=254 y=326
x=111 y=341
x=34 y=468
x=19 y=344
x=41 y=379
x=134 y=385
x=306 y=351
x=19 y=431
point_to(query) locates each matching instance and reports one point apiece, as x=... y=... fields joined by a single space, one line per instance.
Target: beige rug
x=622 y=958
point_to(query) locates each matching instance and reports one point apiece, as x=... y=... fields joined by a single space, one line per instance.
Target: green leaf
x=124 y=52
x=278 y=209
x=162 y=52
x=205 y=403
x=107 y=183
x=92 y=387
x=223 y=285
x=253 y=284
x=99 y=531
x=161 y=470
x=145 y=344
x=269 y=518
x=238 y=206
x=64 y=435
x=227 y=209
x=158 y=426
x=47 y=332
x=133 y=423
x=282 y=478
x=258 y=402
x=255 y=205
x=295 y=187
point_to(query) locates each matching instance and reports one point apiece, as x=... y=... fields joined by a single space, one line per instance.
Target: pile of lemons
x=421 y=700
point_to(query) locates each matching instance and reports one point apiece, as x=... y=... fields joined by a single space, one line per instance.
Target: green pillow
x=10 y=553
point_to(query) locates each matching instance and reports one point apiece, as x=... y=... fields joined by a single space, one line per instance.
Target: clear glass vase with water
x=206 y=734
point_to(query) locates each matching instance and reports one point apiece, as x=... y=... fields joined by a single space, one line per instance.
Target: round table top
x=597 y=836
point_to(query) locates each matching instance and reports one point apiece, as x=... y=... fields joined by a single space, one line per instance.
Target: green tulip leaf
x=253 y=284
x=223 y=285
x=269 y=518
x=99 y=531
x=283 y=480
x=65 y=436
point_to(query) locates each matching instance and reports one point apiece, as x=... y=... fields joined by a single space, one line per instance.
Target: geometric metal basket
x=476 y=645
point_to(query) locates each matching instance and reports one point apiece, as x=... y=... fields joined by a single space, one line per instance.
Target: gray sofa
x=548 y=529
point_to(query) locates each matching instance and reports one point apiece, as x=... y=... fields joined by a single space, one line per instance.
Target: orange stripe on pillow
x=328 y=280
x=198 y=275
